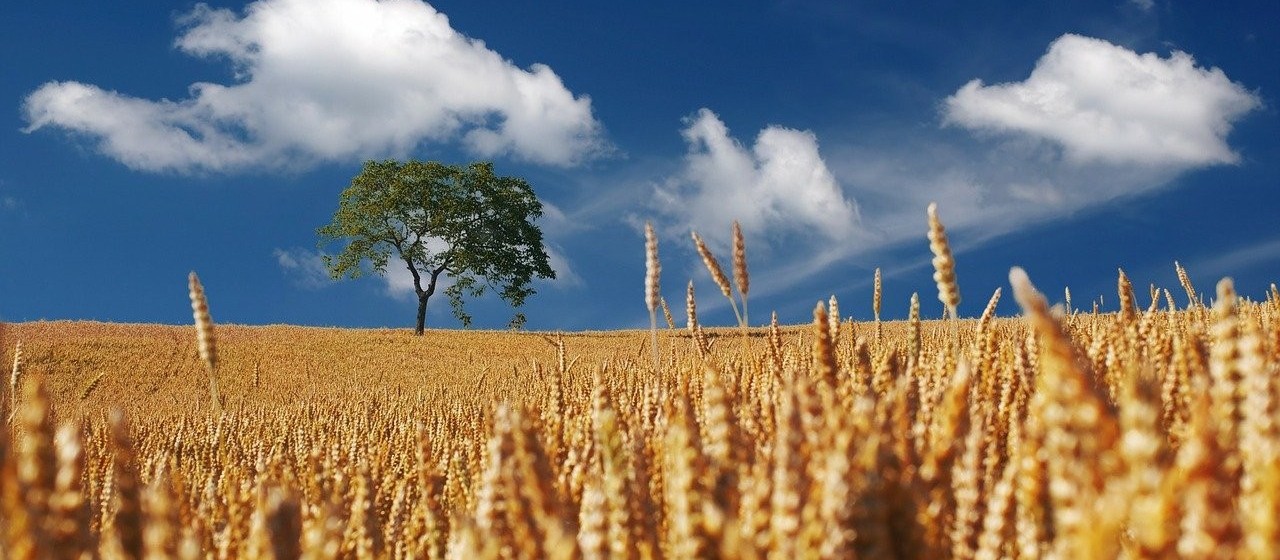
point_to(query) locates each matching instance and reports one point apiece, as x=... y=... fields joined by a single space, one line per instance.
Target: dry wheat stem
x=740 y=275
x=944 y=264
x=206 y=340
x=1185 y=280
x=875 y=297
x=653 y=269
x=666 y=313
x=717 y=274
x=15 y=379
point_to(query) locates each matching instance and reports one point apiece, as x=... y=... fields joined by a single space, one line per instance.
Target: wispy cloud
x=566 y=276
x=1144 y=5
x=329 y=80
x=306 y=268
x=8 y=202
x=1238 y=260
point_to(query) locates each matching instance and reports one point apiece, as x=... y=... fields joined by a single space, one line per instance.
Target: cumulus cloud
x=781 y=185
x=329 y=80
x=1106 y=104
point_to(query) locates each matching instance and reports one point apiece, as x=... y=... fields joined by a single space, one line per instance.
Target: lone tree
x=441 y=220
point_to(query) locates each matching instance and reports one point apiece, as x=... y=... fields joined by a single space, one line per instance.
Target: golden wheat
x=944 y=265
x=1076 y=436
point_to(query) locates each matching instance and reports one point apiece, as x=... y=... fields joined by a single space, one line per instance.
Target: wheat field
x=1148 y=432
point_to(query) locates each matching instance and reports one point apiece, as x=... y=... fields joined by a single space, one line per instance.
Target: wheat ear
x=128 y=519
x=1185 y=280
x=717 y=274
x=824 y=359
x=652 y=269
x=740 y=277
x=1124 y=289
x=69 y=511
x=15 y=379
x=833 y=320
x=743 y=282
x=944 y=264
x=1080 y=428
x=206 y=340
x=914 y=318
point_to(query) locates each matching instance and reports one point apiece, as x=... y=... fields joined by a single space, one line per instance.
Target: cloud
x=1070 y=140
x=1106 y=104
x=566 y=277
x=1238 y=260
x=1144 y=5
x=399 y=282
x=780 y=186
x=306 y=268
x=329 y=80
x=8 y=202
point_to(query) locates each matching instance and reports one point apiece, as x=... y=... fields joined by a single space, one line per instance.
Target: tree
x=460 y=222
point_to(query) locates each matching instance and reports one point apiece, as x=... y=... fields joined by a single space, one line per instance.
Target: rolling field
x=1142 y=433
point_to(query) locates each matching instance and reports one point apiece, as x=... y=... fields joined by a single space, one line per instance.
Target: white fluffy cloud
x=780 y=186
x=320 y=80
x=1103 y=103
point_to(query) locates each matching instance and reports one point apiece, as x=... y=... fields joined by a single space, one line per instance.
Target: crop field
x=1150 y=432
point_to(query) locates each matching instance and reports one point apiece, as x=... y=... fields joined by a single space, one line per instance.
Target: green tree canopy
x=460 y=222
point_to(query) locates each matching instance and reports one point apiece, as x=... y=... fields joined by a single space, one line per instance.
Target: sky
x=142 y=140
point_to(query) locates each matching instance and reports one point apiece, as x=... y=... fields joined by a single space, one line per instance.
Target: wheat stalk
x=833 y=321
x=1128 y=309
x=944 y=264
x=740 y=277
x=717 y=274
x=653 y=270
x=666 y=313
x=93 y=384
x=914 y=343
x=206 y=340
x=69 y=511
x=128 y=518
x=824 y=359
x=1185 y=280
x=15 y=380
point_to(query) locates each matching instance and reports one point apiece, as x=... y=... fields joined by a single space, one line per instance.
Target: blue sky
x=143 y=140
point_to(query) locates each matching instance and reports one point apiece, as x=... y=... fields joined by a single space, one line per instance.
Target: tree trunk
x=422 y=314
